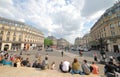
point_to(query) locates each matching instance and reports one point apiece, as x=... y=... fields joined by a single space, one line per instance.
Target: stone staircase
x=8 y=71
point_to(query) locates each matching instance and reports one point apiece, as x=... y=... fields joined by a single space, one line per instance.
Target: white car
x=49 y=49
x=85 y=49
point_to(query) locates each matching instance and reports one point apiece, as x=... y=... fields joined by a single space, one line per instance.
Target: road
x=90 y=53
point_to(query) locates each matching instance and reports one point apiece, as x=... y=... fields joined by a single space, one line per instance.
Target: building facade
x=86 y=41
x=78 y=42
x=62 y=43
x=15 y=35
x=83 y=42
x=106 y=31
x=54 y=40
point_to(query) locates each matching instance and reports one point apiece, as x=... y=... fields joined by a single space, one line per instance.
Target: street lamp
x=102 y=52
x=101 y=43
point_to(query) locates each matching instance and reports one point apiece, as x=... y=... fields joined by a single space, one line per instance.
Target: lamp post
x=101 y=43
x=102 y=52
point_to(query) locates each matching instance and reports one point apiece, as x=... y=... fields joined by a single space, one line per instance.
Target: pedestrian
x=28 y=64
x=75 y=67
x=60 y=66
x=95 y=57
x=118 y=67
x=21 y=52
x=111 y=58
x=46 y=56
x=25 y=62
x=34 y=65
x=102 y=52
x=104 y=57
x=80 y=53
x=45 y=64
x=62 y=53
x=53 y=66
x=95 y=68
x=65 y=66
x=85 y=67
x=110 y=69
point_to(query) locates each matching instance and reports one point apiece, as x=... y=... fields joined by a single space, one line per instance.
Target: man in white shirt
x=65 y=67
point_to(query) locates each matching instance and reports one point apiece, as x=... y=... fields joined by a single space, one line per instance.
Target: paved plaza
x=56 y=57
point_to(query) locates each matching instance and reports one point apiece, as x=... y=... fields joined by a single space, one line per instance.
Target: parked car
x=73 y=49
x=85 y=49
x=49 y=49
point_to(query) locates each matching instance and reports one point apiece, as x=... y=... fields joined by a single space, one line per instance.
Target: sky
x=66 y=19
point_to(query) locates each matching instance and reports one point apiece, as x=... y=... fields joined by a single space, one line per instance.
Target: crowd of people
x=18 y=61
x=112 y=65
x=111 y=69
x=74 y=68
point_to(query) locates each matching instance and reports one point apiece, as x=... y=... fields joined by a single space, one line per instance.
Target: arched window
x=8 y=33
x=14 y=34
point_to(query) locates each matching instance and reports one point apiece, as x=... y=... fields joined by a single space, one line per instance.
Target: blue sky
x=60 y=18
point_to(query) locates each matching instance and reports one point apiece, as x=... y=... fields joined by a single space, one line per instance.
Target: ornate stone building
x=54 y=40
x=15 y=35
x=62 y=43
x=106 y=31
x=78 y=42
x=83 y=41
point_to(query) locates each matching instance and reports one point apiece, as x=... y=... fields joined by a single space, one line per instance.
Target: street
x=90 y=53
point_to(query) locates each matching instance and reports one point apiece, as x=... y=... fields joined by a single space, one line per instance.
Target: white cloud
x=96 y=15
x=21 y=20
x=93 y=6
x=6 y=12
x=61 y=18
x=6 y=3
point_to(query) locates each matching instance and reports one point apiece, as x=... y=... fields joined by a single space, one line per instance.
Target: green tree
x=48 y=42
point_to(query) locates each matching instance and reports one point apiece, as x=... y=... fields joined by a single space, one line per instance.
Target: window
x=20 y=35
x=16 y=24
x=117 y=10
x=119 y=23
x=25 y=36
x=118 y=15
x=8 y=33
x=111 y=26
x=0 y=38
x=19 y=39
x=1 y=32
x=112 y=33
x=104 y=28
x=7 y=39
x=14 y=38
x=105 y=34
x=14 y=34
x=2 y=27
x=110 y=13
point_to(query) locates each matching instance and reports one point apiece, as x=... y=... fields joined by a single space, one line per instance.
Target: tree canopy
x=48 y=42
